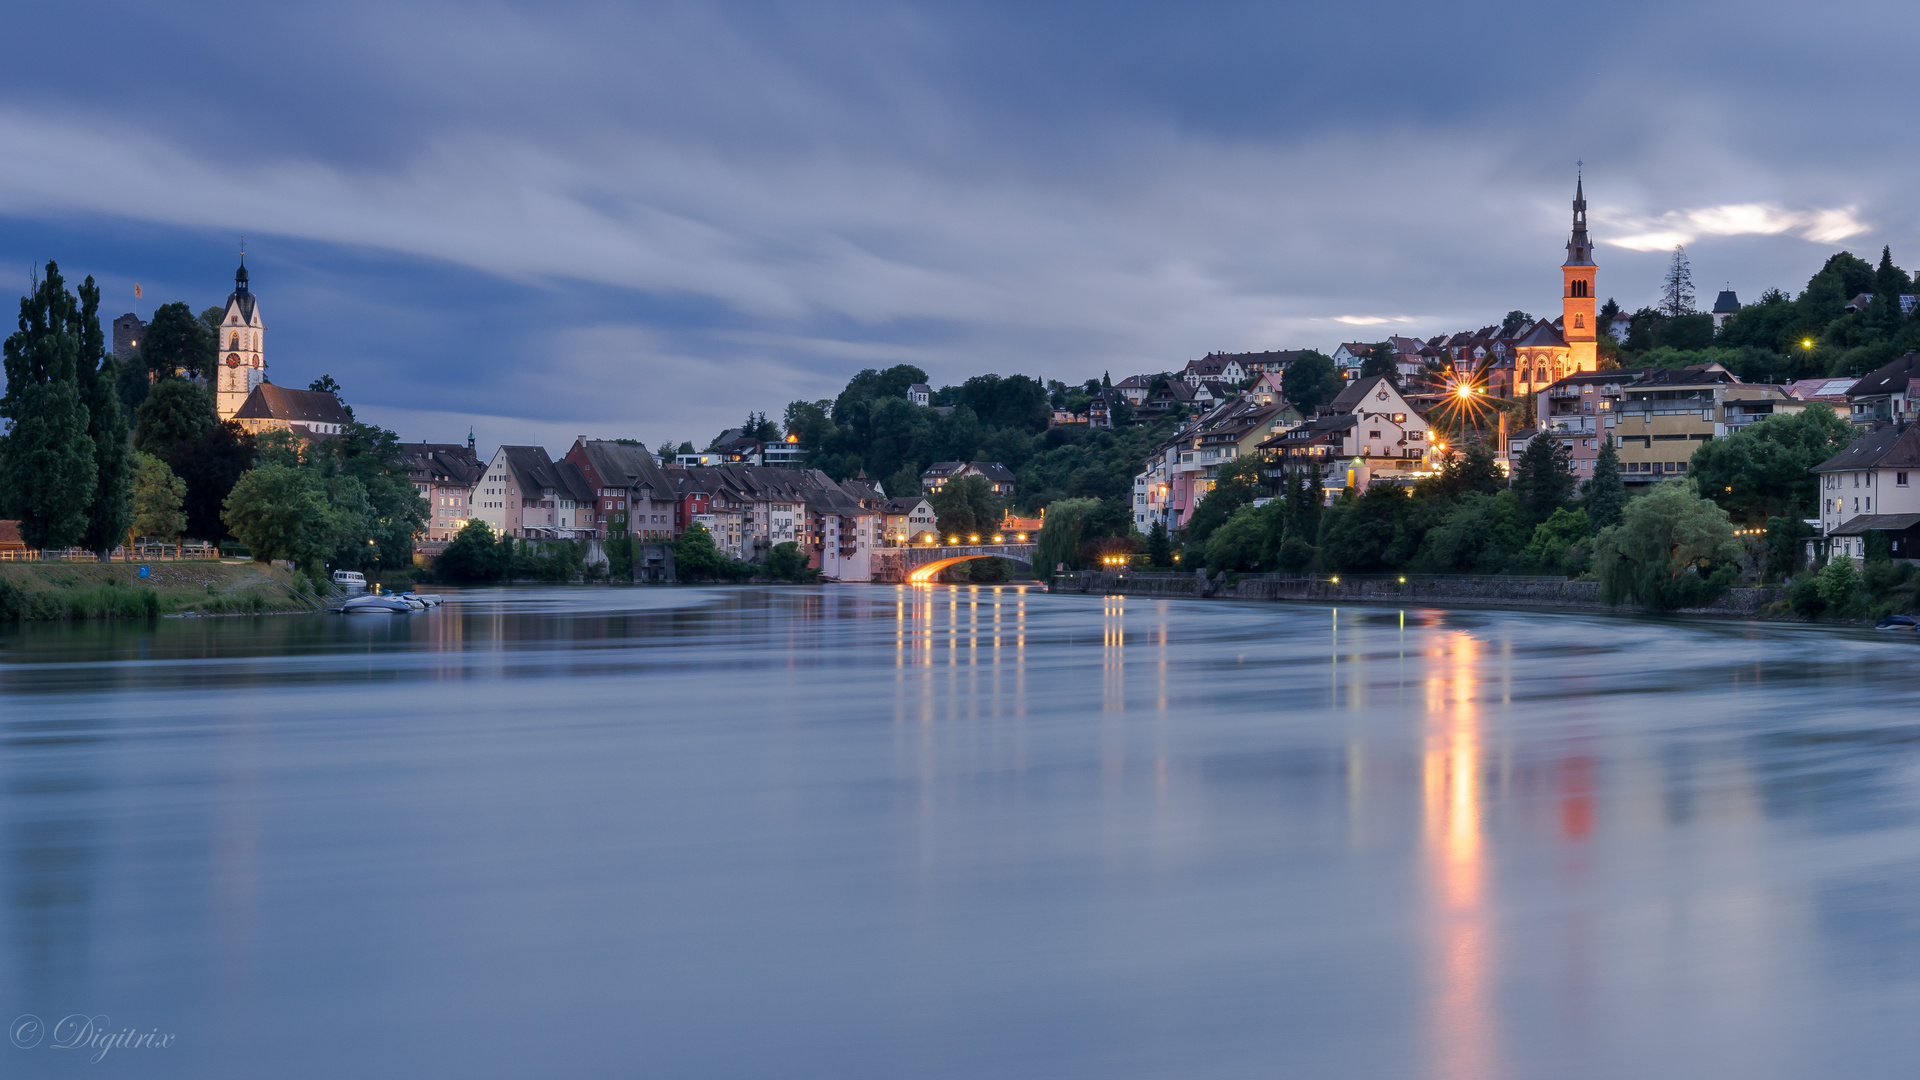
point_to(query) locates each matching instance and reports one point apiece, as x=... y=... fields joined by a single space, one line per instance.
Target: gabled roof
x=270 y=402
x=1357 y=392
x=1867 y=523
x=532 y=469
x=572 y=482
x=1859 y=303
x=1889 y=447
x=1542 y=335
x=446 y=463
x=1822 y=389
x=624 y=465
x=905 y=505
x=1891 y=378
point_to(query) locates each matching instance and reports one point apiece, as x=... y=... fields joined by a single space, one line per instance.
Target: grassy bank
x=73 y=590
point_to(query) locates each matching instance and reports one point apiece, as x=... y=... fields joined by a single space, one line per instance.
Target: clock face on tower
x=233 y=360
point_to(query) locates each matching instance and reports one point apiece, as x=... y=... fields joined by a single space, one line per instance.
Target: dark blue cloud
x=644 y=220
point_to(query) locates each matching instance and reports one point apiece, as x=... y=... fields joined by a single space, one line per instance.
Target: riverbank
x=91 y=590
x=1555 y=594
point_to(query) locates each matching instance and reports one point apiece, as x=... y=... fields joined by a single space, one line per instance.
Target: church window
x=1579 y=322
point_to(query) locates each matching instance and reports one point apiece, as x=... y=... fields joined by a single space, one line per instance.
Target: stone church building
x=1551 y=351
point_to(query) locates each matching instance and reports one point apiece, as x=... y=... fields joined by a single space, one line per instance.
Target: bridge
x=923 y=562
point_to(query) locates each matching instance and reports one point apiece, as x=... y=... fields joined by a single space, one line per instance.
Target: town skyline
x=1132 y=205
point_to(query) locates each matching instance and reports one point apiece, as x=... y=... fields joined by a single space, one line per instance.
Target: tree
x=48 y=469
x=108 y=513
x=1514 y=320
x=1606 y=495
x=324 y=385
x=1840 y=584
x=282 y=513
x=177 y=343
x=1243 y=541
x=786 y=562
x=1311 y=381
x=966 y=507
x=157 y=498
x=175 y=412
x=211 y=465
x=1544 y=481
x=1763 y=470
x=1663 y=548
x=386 y=511
x=904 y=483
x=1464 y=468
x=1159 y=545
x=474 y=555
x=1236 y=486
x=695 y=555
x=1890 y=280
x=1059 y=541
x=1382 y=360
x=1676 y=288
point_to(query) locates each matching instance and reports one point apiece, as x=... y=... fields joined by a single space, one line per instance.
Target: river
x=866 y=831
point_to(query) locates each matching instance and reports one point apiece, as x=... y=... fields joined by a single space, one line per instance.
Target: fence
x=141 y=553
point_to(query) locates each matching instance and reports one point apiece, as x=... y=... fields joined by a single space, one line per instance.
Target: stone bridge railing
x=898 y=564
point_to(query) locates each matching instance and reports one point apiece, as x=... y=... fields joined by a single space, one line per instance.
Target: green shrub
x=1803 y=597
x=1843 y=588
x=13 y=602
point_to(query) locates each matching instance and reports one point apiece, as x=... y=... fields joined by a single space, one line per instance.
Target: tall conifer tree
x=111 y=511
x=47 y=468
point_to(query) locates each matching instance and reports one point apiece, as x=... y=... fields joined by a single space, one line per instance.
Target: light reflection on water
x=962 y=831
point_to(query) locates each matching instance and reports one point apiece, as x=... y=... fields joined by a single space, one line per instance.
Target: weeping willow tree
x=1059 y=541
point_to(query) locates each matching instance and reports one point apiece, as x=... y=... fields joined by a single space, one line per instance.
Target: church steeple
x=1579 y=248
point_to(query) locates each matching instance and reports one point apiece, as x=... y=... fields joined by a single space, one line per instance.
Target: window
x=1373 y=434
x=1579 y=322
x=1899 y=479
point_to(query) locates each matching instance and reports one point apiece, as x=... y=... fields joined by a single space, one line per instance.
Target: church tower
x=242 y=364
x=1578 y=314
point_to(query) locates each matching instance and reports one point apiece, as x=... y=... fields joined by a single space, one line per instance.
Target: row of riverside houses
x=603 y=488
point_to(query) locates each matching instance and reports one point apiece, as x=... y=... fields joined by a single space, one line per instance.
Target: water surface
x=953 y=832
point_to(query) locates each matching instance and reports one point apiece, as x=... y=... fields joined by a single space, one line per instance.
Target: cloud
x=1675 y=227
x=1371 y=320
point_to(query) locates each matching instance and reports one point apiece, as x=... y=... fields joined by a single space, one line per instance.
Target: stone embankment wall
x=1547 y=593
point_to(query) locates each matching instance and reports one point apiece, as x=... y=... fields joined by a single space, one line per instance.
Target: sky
x=645 y=220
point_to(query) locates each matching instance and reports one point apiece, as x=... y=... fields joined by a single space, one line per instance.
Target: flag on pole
x=136 y=290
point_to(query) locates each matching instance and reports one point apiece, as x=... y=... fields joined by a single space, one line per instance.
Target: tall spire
x=240 y=275
x=1579 y=248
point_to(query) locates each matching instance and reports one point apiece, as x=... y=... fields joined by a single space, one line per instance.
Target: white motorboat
x=378 y=604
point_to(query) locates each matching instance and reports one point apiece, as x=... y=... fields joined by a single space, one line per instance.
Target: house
x=1831 y=391
x=632 y=495
x=844 y=530
x=1620 y=326
x=12 y=547
x=524 y=493
x=1725 y=307
x=445 y=475
x=1350 y=357
x=1580 y=411
x=1876 y=476
x=907 y=521
x=306 y=413
x=1135 y=388
x=1180 y=472
x=1665 y=415
x=920 y=394
x=1104 y=405
x=1885 y=393
x=1368 y=434
x=937 y=476
x=1215 y=367
x=1266 y=388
